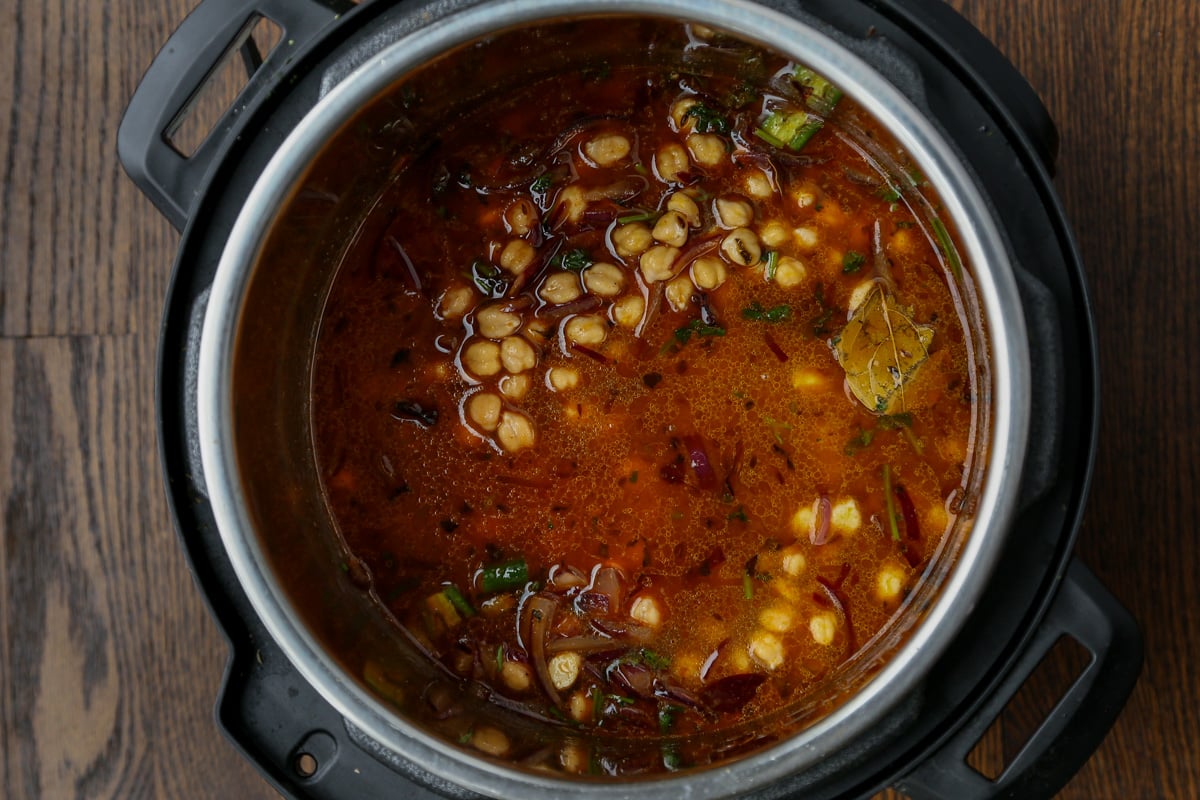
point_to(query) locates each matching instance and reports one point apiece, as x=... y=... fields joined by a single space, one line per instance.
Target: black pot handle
x=1084 y=610
x=190 y=57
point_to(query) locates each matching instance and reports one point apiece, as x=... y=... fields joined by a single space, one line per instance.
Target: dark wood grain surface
x=109 y=663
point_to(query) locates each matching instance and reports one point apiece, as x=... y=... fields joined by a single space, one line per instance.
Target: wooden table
x=109 y=662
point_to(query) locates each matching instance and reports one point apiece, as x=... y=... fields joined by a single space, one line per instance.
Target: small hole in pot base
x=305 y=765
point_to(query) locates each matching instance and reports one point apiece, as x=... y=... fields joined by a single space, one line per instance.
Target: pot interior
x=325 y=222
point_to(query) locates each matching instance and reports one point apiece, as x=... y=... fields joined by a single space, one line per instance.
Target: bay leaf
x=881 y=349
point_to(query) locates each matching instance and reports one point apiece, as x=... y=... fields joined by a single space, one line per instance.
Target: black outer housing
x=1039 y=592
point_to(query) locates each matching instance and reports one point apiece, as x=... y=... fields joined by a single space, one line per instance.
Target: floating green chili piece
x=891 y=502
x=457 y=600
x=506 y=575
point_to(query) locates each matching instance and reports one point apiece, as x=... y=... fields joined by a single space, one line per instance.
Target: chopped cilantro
x=889 y=194
x=707 y=119
x=645 y=216
x=696 y=327
x=860 y=442
x=573 y=260
x=542 y=184
x=852 y=262
x=653 y=660
x=759 y=314
x=488 y=278
x=666 y=717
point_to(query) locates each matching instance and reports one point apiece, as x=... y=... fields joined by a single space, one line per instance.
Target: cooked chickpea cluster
x=560 y=301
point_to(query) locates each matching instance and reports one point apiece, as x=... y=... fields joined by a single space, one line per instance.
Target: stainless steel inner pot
x=256 y=447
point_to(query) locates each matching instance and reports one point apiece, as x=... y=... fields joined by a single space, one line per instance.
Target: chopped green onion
x=772 y=264
x=499 y=658
x=506 y=575
x=891 y=502
x=458 y=601
x=947 y=246
x=597 y=702
x=822 y=95
x=747 y=586
x=769 y=138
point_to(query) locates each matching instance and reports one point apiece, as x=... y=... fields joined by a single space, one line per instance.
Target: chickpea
x=794 y=562
x=483 y=409
x=515 y=387
x=587 y=330
x=538 y=331
x=629 y=310
x=789 y=272
x=495 y=323
x=560 y=287
x=658 y=263
x=562 y=378
x=807 y=238
x=482 y=358
x=845 y=516
x=580 y=706
x=564 y=669
x=647 y=610
x=776 y=618
x=456 y=301
x=775 y=234
x=516 y=256
x=671 y=229
x=517 y=355
x=707 y=148
x=574 y=201
x=741 y=247
x=516 y=676
x=670 y=160
x=574 y=757
x=521 y=216
x=679 y=111
x=607 y=149
x=766 y=649
x=859 y=294
x=491 y=741
x=515 y=431
x=758 y=184
x=631 y=239
x=603 y=279
x=679 y=293
x=709 y=272
x=889 y=583
x=807 y=379
x=733 y=212
x=681 y=203
x=804 y=198
x=823 y=627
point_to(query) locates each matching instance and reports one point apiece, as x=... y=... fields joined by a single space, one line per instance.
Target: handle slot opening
x=1024 y=714
x=222 y=87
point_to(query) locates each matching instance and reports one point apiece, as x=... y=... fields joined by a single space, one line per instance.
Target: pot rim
x=1000 y=307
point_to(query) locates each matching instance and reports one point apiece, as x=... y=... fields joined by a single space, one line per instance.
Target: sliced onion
x=608 y=581
x=700 y=463
x=582 y=305
x=824 y=510
x=540 y=610
x=584 y=644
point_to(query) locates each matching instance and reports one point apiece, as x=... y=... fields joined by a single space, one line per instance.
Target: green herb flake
x=633 y=476
x=747 y=586
x=653 y=660
x=698 y=328
x=542 y=184
x=488 y=278
x=707 y=119
x=576 y=260
x=739 y=515
x=891 y=502
x=757 y=313
x=499 y=658
x=466 y=736
x=860 y=442
x=888 y=194
x=892 y=422
x=666 y=717
x=852 y=262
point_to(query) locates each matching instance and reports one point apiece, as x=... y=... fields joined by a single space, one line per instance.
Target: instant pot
x=1014 y=591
